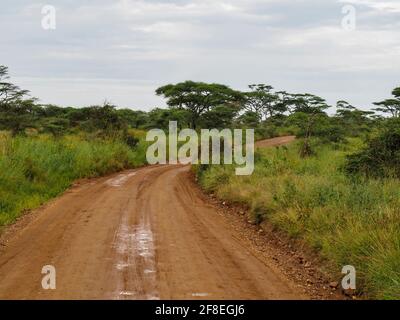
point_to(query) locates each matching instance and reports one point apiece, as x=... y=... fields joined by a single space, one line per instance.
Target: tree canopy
x=390 y=106
x=199 y=97
x=263 y=101
x=199 y=105
x=9 y=92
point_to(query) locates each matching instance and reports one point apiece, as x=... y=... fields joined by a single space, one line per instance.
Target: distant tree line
x=199 y=105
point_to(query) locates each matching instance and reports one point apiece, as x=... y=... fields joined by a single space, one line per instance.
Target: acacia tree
x=9 y=92
x=219 y=117
x=17 y=112
x=285 y=100
x=390 y=106
x=307 y=108
x=344 y=107
x=199 y=97
x=352 y=118
x=263 y=101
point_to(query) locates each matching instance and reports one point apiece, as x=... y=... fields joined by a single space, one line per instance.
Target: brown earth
x=141 y=234
x=274 y=142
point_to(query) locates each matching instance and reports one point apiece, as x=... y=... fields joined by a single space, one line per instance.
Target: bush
x=380 y=158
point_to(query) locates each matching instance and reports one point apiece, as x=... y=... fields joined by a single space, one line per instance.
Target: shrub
x=380 y=158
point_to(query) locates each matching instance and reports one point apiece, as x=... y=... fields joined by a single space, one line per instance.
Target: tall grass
x=35 y=169
x=349 y=221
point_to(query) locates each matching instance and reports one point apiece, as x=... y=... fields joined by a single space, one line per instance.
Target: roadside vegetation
x=36 y=169
x=348 y=220
x=336 y=188
x=44 y=149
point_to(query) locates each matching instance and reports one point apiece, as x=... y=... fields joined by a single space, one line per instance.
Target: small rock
x=349 y=292
x=334 y=284
x=307 y=265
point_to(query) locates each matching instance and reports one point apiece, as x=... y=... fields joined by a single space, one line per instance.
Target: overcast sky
x=123 y=50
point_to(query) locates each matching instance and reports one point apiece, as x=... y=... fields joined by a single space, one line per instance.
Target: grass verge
x=349 y=221
x=36 y=169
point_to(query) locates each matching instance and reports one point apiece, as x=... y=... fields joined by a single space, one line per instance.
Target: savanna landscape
x=334 y=188
x=200 y=150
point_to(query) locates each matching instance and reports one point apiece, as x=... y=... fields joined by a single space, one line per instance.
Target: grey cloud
x=127 y=48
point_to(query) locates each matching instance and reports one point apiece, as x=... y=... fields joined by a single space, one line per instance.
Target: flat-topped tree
x=17 y=111
x=263 y=101
x=346 y=111
x=308 y=103
x=284 y=101
x=344 y=105
x=352 y=119
x=308 y=108
x=9 y=92
x=199 y=97
x=390 y=106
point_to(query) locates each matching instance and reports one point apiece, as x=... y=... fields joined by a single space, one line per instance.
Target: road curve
x=274 y=142
x=139 y=234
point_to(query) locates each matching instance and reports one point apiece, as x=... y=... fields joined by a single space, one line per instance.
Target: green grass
x=348 y=221
x=36 y=169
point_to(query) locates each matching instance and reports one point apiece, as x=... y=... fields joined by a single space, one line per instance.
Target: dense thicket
x=381 y=156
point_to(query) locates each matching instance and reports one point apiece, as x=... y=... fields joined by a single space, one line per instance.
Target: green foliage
x=352 y=121
x=35 y=169
x=249 y=119
x=390 y=106
x=133 y=118
x=9 y=92
x=349 y=222
x=262 y=101
x=220 y=117
x=192 y=104
x=160 y=118
x=199 y=97
x=381 y=156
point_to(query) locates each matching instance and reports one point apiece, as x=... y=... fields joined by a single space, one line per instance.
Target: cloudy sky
x=122 y=50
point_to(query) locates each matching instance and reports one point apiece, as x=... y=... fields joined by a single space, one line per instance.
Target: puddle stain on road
x=134 y=246
x=120 y=180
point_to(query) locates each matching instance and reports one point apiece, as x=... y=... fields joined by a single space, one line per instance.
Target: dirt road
x=274 y=142
x=140 y=234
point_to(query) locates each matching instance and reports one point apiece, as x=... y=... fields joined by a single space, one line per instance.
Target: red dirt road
x=274 y=142
x=140 y=234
